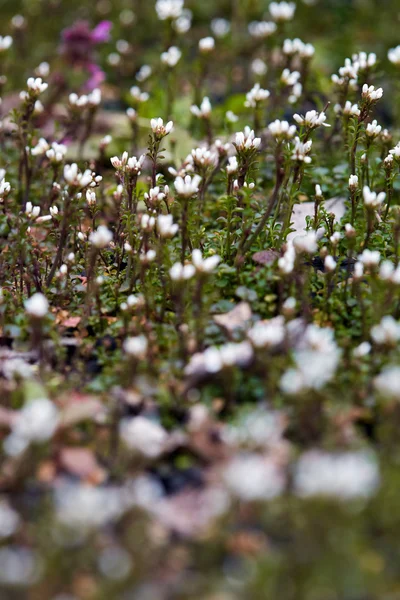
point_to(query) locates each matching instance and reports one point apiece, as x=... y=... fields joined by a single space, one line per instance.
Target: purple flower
x=101 y=33
x=78 y=48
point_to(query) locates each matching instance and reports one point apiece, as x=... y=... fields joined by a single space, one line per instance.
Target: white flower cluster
x=316 y=361
x=256 y=96
x=143 y=436
x=171 y=57
x=215 y=359
x=37 y=421
x=296 y=46
x=311 y=120
x=203 y=111
x=301 y=150
x=281 y=130
x=268 y=334
x=159 y=129
x=261 y=29
x=253 y=477
x=282 y=11
x=345 y=475
x=246 y=140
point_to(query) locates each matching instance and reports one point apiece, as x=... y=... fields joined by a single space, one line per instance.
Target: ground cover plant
x=199 y=307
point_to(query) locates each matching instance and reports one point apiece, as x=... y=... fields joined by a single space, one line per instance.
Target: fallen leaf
x=265 y=257
x=71 y=322
x=82 y=463
x=235 y=318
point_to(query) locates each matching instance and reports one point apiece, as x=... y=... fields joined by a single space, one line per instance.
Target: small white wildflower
x=37 y=306
x=203 y=111
x=179 y=272
x=101 y=238
x=204 y=265
x=159 y=129
x=206 y=45
x=387 y=332
x=136 y=346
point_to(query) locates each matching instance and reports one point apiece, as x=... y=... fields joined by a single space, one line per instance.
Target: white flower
x=94 y=98
x=246 y=140
x=231 y=117
x=363 y=61
x=282 y=11
x=154 y=195
x=301 y=151
x=5 y=42
x=37 y=306
x=372 y=199
x=147 y=257
x=362 y=350
x=131 y=113
x=169 y=9
x=216 y=359
x=135 y=165
x=144 y=73
x=281 y=130
x=56 y=153
x=76 y=179
x=329 y=264
x=387 y=383
x=179 y=272
x=351 y=110
x=188 y=186
x=394 y=55
x=232 y=166
x=267 y=334
x=137 y=95
x=353 y=182
x=373 y=129
x=136 y=346
x=90 y=197
x=371 y=94
x=166 y=227
x=252 y=477
x=171 y=57
x=296 y=46
x=312 y=119
x=9 y=519
x=316 y=361
x=35 y=422
x=261 y=29
x=290 y=78
x=204 y=158
x=101 y=238
x=370 y=258
x=36 y=86
x=387 y=332
x=79 y=102
x=286 y=262
x=159 y=129
x=204 y=111
x=259 y=67
x=41 y=147
x=256 y=96
x=345 y=475
x=5 y=188
x=87 y=507
x=147 y=222
x=144 y=436
x=204 y=265
x=206 y=45
x=119 y=163
x=306 y=243
x=220 y=27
